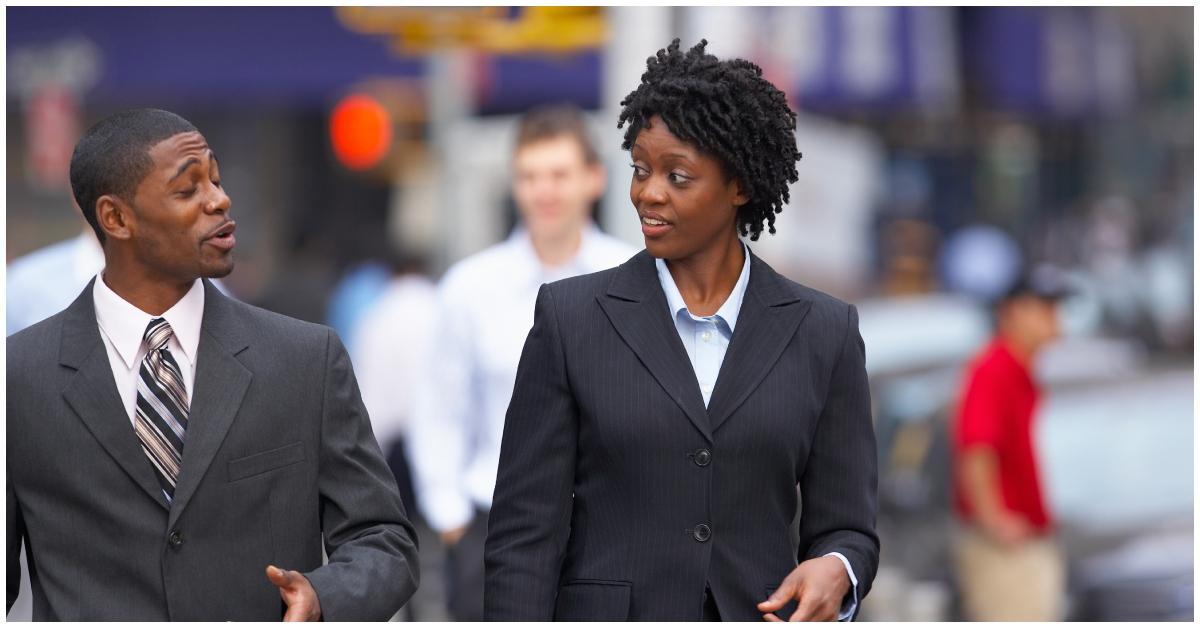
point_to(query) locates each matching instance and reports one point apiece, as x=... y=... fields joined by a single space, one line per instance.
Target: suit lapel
x=92 y=394
x=637 y=308
x=771 y=311
x=221 y=382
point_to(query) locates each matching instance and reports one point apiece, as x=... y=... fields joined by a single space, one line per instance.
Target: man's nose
x=219 y=201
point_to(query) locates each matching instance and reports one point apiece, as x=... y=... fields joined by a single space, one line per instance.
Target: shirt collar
x=728 y=311
x=588 y=259
x=125 y=324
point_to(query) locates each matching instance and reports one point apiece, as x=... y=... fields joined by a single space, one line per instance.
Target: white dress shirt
x=706 y=338
x=390 y=346
x=485 y=311
x=123 y=328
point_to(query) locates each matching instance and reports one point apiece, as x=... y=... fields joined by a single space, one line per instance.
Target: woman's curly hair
x=727 y=110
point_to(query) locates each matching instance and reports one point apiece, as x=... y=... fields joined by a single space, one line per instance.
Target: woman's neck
x=706 y=278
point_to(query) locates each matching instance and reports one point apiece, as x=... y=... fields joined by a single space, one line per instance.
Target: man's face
x=554 y=186
x=1035 y=319
x=180 y=227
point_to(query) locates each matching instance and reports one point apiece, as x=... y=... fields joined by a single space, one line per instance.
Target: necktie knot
x=158 y=332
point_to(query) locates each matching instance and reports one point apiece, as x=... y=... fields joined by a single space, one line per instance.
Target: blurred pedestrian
x=390 y=346
x=43 y=282
x=668 y=411
x=485 y=309
x=1009 y=566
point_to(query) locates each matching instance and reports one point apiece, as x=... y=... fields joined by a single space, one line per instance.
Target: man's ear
x=114 y=216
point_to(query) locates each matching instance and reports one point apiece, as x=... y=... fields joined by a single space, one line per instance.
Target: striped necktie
x=162 y=407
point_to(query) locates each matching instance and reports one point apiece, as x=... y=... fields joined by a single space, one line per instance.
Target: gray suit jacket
x=279 y=455
x=621 y=496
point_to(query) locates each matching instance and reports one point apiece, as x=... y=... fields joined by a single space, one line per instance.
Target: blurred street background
x=944 y=149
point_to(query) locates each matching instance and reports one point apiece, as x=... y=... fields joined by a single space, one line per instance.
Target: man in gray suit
x=174 y=454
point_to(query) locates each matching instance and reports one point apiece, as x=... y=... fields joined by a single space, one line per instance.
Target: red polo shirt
x=997 y=410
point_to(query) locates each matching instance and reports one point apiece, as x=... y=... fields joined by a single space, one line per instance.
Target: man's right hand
x=451 y=538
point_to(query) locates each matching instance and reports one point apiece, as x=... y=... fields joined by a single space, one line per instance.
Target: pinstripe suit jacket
x=279 y=463
x=620 y=496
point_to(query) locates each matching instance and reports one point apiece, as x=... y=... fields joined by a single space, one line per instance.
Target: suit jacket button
x=702 y=458
x=702 y=533
x=175 y=539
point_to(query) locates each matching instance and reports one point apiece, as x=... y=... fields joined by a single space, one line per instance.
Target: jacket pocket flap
x=265 y=461
x=593 y=600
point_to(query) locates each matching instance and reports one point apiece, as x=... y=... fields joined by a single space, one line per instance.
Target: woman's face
x=685 y=201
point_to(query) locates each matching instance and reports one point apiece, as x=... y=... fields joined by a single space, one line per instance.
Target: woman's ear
x=740 y=197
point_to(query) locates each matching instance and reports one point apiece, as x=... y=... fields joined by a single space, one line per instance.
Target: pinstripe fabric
x=620 y=495
x=162 y=407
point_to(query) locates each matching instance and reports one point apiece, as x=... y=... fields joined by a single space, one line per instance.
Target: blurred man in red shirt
x=1009 y=567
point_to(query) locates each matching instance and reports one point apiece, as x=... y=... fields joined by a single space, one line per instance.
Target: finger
x=771 y=617
x=806 y=610
x=779 y=598
x=296 y=612
x=279 y=577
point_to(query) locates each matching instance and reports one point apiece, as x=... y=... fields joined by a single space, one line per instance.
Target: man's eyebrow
x=183 y=168
x=191 y=162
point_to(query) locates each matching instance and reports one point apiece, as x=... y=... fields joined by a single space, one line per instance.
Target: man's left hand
x=818 y=584
x=297 y=593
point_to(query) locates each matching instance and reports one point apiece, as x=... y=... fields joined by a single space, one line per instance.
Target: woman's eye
x=638 y=171
x=677 y=178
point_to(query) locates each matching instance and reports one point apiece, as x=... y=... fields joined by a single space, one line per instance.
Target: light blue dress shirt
x=706 y=339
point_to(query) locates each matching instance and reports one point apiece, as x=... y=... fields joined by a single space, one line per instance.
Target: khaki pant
x=1003 y=583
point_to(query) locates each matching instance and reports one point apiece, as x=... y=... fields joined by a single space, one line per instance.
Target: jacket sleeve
x=838 y=487
x=372 y=569
x=531 y=510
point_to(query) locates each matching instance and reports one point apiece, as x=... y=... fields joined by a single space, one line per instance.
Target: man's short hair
x=114 y=156
x=553 y=121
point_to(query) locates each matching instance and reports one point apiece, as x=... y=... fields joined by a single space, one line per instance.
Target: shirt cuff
x=850 y=603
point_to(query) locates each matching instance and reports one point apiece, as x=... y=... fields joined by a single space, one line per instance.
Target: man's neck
x=553 y=252
x=1020 y=349
x=150 y=295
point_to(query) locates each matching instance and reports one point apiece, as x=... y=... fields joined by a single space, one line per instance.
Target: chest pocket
x=257 y=464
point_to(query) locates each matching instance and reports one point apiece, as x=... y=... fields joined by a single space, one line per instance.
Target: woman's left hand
x=818 y=584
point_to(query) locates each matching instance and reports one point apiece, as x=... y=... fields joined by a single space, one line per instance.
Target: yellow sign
x=492 y=29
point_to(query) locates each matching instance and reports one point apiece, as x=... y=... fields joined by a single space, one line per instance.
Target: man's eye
x=188 y=192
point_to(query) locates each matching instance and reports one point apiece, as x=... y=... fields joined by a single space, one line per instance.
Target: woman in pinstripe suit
x=666 y=411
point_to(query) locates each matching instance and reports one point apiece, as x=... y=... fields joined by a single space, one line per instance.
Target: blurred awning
x=274 y=56
x=1062 y=62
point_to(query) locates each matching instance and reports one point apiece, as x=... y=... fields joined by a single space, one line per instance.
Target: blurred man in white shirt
x=485 y=310
x=390 y=347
